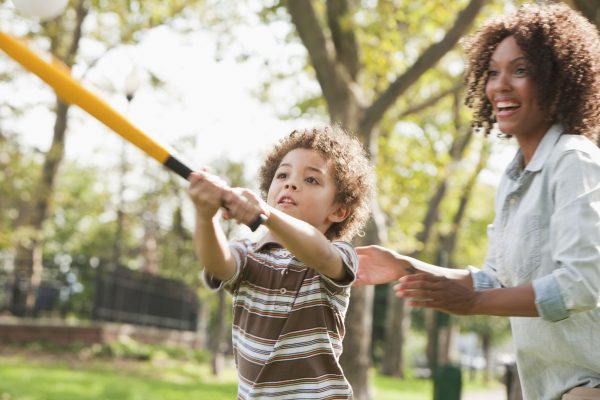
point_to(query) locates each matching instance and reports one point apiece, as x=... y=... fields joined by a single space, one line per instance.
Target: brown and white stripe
x=288 y=323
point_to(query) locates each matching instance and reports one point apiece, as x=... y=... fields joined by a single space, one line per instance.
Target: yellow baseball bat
x=71 y=91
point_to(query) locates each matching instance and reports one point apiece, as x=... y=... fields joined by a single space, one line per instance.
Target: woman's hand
x=437 y=292
x=379 y=265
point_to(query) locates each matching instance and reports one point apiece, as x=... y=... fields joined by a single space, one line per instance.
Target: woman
x=536 y=73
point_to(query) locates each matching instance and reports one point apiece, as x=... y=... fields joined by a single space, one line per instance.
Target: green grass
x=389 y=388
x=27 y=377
x=43 y=380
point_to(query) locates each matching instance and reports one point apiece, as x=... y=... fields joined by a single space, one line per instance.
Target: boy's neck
x=267 y=238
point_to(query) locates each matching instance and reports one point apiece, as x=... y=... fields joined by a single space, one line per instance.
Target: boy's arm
x=303 y=240
x=213 y=250
x=306 y=243
x=210 y=242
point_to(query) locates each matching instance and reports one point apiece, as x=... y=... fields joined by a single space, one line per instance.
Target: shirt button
x=282 y=291
x=283 y=272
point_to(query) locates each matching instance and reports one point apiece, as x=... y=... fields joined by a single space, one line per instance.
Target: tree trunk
x=202 y=327
x=334 y=58
x=356 y=358
x=218 y=343
x=430 y=330
x=514 y=391
x=28 y=264
x=486 y=346
x=397 y=324
x=119 y=236
x=149 y=243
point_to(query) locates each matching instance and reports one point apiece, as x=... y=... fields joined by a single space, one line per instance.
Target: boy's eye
x=312 y=179
x=281 y=175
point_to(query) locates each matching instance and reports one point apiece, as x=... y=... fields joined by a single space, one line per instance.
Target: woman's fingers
x=437 y=292
x=421 y=281
x=420 y=289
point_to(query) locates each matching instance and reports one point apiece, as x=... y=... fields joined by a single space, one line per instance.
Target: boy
x=291 y=288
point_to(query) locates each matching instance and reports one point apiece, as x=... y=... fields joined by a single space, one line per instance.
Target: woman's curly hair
x=351 y=171
x=563 y=49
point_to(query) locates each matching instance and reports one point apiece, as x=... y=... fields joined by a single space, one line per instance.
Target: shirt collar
x=267 y=240
x=541 y=154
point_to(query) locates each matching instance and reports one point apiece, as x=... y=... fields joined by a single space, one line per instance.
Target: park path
x=494 y=394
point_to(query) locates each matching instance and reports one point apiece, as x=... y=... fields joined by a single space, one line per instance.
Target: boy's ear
x=339 y=213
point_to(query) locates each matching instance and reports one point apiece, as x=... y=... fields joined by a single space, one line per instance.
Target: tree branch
x=447 y=241
x=344 y=39
x=431 y=101
x=427 y=60
x=319 y=47
x=339 y=90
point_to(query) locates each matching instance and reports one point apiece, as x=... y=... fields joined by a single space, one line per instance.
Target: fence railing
x=124 y=295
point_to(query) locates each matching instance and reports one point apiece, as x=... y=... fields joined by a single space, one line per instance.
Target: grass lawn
x=56 y=380
x=23 y=377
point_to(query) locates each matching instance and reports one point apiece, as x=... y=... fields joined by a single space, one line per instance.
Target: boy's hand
x=243 y=206
x=206 y=191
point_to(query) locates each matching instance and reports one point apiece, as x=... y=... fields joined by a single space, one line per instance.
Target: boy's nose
x=291 y=186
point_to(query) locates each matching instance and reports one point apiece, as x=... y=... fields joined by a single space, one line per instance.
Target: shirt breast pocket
x=529 y=242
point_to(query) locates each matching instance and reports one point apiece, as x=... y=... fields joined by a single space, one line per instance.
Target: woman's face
x=511 y=90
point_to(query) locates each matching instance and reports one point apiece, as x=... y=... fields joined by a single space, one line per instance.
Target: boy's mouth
x=286 y=200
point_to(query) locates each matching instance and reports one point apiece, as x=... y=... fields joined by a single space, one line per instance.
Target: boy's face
x=303 y=187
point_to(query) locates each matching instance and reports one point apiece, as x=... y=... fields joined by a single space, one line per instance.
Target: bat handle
x=178 y=167
x=261 y=219
x=184 y=171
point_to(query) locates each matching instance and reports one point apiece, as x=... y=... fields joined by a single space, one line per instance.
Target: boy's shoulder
x=270 y=246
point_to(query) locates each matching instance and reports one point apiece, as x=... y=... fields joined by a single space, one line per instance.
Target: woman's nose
x=501 y=82
x=291 y=185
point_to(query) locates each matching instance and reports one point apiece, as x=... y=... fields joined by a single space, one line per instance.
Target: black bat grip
x=178 y=167
x=258 y=222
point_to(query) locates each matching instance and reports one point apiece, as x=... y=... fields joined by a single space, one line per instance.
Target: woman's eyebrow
x=512 y=61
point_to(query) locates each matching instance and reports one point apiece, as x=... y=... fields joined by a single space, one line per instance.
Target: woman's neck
x=529 y=143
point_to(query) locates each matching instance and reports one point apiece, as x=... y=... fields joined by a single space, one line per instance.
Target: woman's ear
x=339 y=213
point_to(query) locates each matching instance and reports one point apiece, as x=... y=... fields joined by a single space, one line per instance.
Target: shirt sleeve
x=574 y=285
x=482 y=280
x=350 y=262
x=485 y=278
x=239 y=250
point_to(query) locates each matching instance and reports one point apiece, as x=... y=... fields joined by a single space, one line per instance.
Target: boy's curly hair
x=563 y=48
x=350 y=168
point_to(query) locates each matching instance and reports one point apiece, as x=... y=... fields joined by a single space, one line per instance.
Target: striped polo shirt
x=288 y=323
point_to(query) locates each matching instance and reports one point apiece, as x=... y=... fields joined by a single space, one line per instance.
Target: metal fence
x=127 y=296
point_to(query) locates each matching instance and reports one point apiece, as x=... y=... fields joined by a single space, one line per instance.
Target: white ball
x=42 y=9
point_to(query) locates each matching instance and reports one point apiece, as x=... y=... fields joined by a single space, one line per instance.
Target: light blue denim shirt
x=547 y=232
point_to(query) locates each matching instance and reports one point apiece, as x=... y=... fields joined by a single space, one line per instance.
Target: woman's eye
x=312 y=180
x=492 y=72
x=281 y=175
x=521 y=71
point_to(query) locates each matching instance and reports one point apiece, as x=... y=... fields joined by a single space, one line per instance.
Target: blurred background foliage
x=68 y=214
